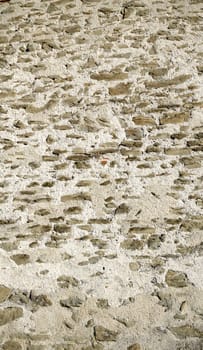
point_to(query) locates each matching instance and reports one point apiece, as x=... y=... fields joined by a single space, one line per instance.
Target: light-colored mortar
x=101 y=200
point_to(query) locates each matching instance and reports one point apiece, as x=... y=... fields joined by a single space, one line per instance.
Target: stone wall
x=101 y=199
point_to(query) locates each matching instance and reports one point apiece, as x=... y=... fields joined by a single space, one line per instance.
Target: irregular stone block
x=11 y=345
x=175 y=118
x=104 y=334
x=71 y=302
x=21 y=259
x=4 y=293
x=186 y=331
x=135 y=346
x=134 y=266
x=132 y=244
x=108 y=76
x=41 y=299
x=10 y=314
x=67 y=281
x=176 y=279
x=120 y=89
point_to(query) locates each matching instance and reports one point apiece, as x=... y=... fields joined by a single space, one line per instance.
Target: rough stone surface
x=11 y=345
x=176 y=279
x=104 y=334
x=4 y=293
x=9 y=314
x=134 y=347
x=101 y=205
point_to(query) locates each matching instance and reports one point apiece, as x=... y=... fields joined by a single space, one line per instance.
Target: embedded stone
x=21 y=259
x=4 y=293
x=132 y=244
x=109 y=76
x=67 y=281
x=134 y=266
x=71 y=302
x=176 y=279
x=135 y=346
x=104 y=334
x=41 y=299
x=142 y=120
x=11 y=345
x=186 y=331
x=120 y=89
x=10 y=314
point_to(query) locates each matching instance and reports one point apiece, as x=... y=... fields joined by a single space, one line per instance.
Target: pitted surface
x=101 y=200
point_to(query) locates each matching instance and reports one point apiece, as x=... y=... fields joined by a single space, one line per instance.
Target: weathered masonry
x=101 y=181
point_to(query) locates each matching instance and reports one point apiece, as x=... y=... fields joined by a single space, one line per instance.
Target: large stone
x=120 y=89
x=4 y=293
x=174 y=118
x=21 y=259
x=168 y=82
x=186 y=331
x=176 y=279
x=132 y=244
x=142 y=120
x=9 y=314
x=11 y=345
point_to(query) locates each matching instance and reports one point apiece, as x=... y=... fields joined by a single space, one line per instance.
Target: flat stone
x=104 y=334
x=109 y=76
x=9 y=314
x=11 y=345
x=120 y=89
x=186 y=331
x=174 y=118
x=21 y=259
x=132 y=244
x=142 y=120
x=4 y=293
